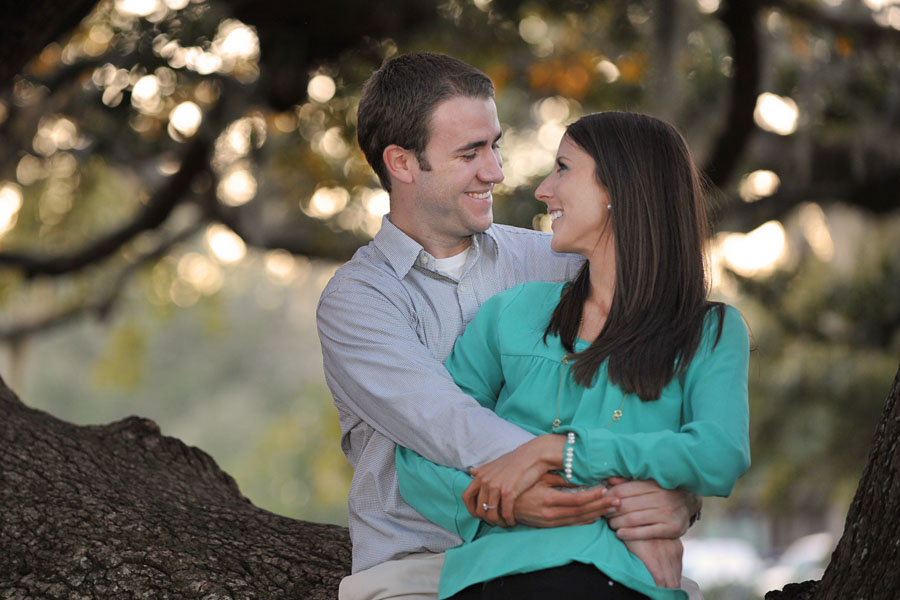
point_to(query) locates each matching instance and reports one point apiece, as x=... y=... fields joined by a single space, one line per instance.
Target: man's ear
x=400 y=163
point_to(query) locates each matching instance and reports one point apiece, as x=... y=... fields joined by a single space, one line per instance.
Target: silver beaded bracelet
x=570 y=454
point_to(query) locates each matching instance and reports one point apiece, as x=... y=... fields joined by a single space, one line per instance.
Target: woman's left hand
x=498 y=483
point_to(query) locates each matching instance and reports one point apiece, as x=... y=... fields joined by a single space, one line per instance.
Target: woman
x=629 y=370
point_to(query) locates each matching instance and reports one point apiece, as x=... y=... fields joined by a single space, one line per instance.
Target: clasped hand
x=520 y=486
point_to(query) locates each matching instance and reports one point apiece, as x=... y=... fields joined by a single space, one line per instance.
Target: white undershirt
x=453 y=265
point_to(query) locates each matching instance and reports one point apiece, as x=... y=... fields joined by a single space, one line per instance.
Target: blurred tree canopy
x=133 y=129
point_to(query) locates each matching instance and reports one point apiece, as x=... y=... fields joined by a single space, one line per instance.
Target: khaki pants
x=413 y=577
x=416 y=576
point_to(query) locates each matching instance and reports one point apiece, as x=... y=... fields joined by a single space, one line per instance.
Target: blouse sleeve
x=434 y=490
x=710 y=450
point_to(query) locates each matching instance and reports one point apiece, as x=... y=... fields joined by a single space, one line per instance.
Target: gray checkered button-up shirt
x=387 y=320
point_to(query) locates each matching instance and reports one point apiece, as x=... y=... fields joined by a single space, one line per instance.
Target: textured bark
x=120 y=511
x=864 y=564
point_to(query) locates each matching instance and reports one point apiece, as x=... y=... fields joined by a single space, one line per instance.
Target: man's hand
x=647 y=511
x=662 y=558
x=542 y=505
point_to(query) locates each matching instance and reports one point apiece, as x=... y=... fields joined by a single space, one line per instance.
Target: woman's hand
x=661 y=557
x=545 y=504
x=498 y=483
x=648 y=511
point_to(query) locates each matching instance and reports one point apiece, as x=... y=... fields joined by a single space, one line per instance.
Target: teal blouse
x=695 y=437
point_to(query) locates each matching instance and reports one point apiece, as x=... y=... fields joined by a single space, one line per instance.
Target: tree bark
x=864 y=564
x=120 y=511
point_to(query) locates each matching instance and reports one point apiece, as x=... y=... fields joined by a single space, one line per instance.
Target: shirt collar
x=402 y=252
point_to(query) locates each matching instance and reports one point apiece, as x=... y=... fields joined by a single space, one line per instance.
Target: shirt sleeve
x=377 y=367
x=710 y=450
x=436 y=491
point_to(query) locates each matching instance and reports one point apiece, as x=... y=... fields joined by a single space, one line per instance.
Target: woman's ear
x=400 y=163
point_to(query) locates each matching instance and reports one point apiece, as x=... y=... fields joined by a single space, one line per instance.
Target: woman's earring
x=609 y=207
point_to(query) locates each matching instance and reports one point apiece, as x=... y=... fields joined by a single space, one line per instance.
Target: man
x=389 y=317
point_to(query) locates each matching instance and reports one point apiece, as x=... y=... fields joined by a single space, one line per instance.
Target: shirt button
x=462 y=288
x=423 y=260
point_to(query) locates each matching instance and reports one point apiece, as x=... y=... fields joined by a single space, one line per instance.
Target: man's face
x=454 y=197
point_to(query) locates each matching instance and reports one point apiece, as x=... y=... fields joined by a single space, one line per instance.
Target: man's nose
x=492 y=168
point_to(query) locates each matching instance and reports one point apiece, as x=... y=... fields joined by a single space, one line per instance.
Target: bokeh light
x=236 y=41
x=376 y=201
x=321 y=88
x=326 y=201
x=137 y=8
x=237 y=187
x=775 y=113
x=708 y=6
x=201 y=273
x=225 y=244
x=755 y=253
x=758 y=184
x=814 y=226
x=54 y=133
x=281 y=265
x=10 y=203
x=146 y=94
x=185 y=119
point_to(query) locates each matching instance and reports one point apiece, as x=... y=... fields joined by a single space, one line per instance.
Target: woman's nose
x=542 y=192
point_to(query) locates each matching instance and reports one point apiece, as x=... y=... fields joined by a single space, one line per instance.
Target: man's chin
x=483 y=224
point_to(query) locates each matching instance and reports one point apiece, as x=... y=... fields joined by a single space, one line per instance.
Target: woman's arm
x=711 y=449
x=706 y=456
x=435 y=491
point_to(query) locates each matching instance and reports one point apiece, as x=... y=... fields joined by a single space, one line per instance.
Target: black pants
x=574 y=581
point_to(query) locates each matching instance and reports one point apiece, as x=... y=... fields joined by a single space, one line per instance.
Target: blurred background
x=179 y=179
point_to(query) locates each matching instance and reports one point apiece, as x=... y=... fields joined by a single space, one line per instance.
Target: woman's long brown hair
x=659 y=222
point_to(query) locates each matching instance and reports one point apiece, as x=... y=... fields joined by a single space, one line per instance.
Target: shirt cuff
x=466 y=524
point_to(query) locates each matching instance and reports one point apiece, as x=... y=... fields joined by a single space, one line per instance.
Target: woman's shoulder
x=528 y=296
x=725 y=323
x=523 y=306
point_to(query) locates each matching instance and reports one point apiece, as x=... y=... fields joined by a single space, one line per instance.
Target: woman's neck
x=602 y=270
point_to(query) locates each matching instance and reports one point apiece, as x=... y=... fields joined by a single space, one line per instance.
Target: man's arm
x=378 y=368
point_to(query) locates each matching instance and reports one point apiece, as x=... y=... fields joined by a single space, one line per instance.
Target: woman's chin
x=557 y=245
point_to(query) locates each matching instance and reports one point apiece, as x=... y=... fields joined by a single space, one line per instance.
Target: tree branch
x=740 y=19
x=877 y=194
x=29 y=26
x=154 y=213
x=866 y=31
x=104 y=303
x=120 y=510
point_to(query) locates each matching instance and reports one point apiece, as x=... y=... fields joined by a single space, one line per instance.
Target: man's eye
x=470 y=156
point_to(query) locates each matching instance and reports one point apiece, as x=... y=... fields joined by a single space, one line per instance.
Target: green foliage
x=827 y=341
x=198 y=343
x=123 y=361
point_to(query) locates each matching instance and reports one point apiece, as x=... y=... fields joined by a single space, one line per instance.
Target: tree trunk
x=865 y=563
x=120 y=511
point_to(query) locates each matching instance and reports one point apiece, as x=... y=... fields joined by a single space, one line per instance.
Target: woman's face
x=576 y=202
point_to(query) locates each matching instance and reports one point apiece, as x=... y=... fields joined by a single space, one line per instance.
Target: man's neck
x=439 y=246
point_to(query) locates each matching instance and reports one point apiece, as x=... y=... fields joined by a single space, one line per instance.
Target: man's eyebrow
x=477 y=144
